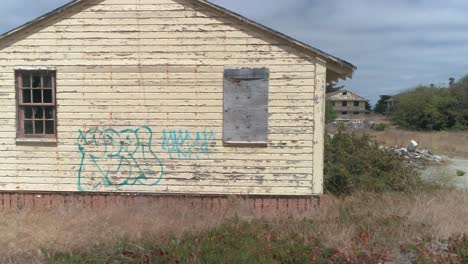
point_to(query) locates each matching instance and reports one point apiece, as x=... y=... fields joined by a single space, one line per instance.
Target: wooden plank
x=319 y=127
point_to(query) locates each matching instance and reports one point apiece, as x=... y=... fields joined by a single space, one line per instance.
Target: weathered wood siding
x=154 y=69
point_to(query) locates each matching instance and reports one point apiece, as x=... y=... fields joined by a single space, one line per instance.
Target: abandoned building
x=160 y=98
x=348 y=106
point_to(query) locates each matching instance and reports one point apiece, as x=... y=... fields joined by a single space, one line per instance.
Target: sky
x=395 y=44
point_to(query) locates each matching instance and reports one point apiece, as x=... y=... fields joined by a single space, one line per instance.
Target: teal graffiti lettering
x=117 y=158
x=185 y=145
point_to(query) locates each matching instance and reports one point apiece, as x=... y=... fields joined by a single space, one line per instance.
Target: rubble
x=414 y=155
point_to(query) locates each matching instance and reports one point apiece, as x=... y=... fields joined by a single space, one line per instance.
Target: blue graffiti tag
x=117 y=158
x=185 y=145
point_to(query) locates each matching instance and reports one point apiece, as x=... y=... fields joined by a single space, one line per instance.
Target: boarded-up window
x=246 y=106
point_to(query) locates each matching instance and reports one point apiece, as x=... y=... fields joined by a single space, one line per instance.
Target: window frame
x=20 y=105
x=344 y=103
x=357 y=103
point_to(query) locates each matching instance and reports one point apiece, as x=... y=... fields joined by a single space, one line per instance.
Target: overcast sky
x=396 y=44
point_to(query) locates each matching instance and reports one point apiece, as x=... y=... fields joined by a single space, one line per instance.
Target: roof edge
x=359 y=98
x=347 y=71
x=299 y=44
x=41 y=18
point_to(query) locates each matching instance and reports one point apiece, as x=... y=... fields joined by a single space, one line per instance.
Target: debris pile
x=414 y=155
x=353 y=124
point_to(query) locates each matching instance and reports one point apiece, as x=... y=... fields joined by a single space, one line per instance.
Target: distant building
x=389 y=105
x=348 y=106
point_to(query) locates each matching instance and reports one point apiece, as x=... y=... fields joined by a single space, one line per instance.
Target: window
x=356 y=103
x=344 y=113
x=334 y=104
x=356 y=113
x=36 y=107
x=344 y=103
x=246 y=106
x=345 y=93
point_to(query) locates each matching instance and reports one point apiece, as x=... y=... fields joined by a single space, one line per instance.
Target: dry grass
x=364 y=221
x=26 y=233
x=393 y=219
x=452 y=144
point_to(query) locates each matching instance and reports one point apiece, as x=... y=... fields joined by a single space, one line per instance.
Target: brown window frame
x=21 y=106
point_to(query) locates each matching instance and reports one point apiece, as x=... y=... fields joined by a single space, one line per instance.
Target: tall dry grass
x=363 y=221
x=452 y=144
x=393 y=219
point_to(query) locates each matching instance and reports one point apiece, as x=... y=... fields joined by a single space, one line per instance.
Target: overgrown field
x=359 y=228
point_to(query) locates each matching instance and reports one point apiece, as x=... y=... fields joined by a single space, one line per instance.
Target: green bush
x=460 y=173
x=380 y=127
x=330 y=114
x=357 y=163
x=433 y=108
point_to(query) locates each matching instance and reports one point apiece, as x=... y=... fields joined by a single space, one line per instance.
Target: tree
x=333 y=87
x=431 y=108
x=330 y=114
x=368 y=106
x=381 y=107
x=451 y=82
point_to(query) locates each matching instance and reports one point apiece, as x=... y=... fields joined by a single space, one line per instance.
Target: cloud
x=395 y=44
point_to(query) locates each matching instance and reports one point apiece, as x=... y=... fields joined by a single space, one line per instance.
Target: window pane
x=26 y=81
x=49 y=112
x=36 y=81
x=27 y=96
x=47 y=81
x=37 y=96
x=38 y=127
x=50 y=129
x=38 y=112
x=47 y=95
x=28 y=112
x=28 y=127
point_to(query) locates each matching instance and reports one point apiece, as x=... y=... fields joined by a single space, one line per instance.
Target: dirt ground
x=460 y=181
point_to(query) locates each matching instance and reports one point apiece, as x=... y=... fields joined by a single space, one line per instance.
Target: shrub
x=330 y=114
x=433 y=108
x=460 y=173
x=380 y=127
x=357 y=163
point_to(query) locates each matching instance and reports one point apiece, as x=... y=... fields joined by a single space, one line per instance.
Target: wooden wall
x=154 y=69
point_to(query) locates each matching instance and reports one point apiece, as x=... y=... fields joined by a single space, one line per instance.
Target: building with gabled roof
x=161 y=97
x=348 y=105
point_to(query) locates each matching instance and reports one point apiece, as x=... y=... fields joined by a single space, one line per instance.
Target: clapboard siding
x=124 y=64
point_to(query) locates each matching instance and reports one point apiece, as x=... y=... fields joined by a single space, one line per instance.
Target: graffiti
x=117 y=158
x=185 y=145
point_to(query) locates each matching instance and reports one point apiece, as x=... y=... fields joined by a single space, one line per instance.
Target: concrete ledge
x=258 y=204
